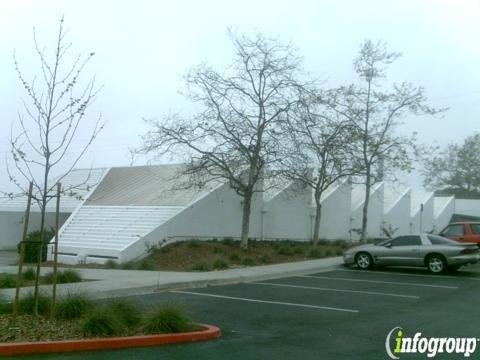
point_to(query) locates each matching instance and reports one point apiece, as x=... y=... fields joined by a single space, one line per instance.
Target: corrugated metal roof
x=85 y=179
x=153 y=185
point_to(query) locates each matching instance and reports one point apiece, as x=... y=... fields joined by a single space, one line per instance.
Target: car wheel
x=436 y=264
x=363 y=260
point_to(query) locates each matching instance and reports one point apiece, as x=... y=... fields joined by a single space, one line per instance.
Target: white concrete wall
x=467 y=207
x=443 y=213
x=375 y=215
x=396 y=216
x=422 y=222
x=216 y=215
x=11 y=226
x=287 y=215
x=335 y=221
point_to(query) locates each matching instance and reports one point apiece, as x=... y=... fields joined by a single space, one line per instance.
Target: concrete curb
x=206 y=333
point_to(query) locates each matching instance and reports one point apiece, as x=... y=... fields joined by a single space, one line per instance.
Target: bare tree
x=51 y=120
x=318 y=153
x=234 y=136
x=375 y=113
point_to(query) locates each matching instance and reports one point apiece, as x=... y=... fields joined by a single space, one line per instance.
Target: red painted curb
x=208 y=332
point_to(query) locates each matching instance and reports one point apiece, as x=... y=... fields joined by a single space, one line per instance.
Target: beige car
x=434 y=252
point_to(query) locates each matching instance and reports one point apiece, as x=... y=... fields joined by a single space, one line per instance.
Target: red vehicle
x=462 y=231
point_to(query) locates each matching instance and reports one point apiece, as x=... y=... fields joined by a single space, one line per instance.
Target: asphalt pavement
x=337 y=313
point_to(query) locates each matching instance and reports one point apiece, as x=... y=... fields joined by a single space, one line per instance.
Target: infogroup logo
x=397 y=343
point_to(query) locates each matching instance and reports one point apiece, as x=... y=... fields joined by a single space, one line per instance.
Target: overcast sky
x=142 y=49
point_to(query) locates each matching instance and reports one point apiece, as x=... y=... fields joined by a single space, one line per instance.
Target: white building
x=124 y=210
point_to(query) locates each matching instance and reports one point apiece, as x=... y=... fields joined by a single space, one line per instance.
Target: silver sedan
x=424 y=250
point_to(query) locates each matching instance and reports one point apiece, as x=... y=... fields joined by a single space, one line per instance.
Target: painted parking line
x=378 y=281
x=337 y=290
x=407 y=274
x=265 y=301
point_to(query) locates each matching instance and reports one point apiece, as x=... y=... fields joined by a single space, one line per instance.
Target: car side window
x=475 y=228
x=454 y=230
x=406 y=241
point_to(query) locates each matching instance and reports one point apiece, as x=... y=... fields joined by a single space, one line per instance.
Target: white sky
x=144 y=47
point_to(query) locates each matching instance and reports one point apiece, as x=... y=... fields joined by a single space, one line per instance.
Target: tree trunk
x=316 y=226
x=42 y=235
x=363 y=237
x=247 y=202
x=39 y=260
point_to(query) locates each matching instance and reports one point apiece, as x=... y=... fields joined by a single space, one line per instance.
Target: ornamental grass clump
x=26 y=304
x=125 y=311
x=29 y=274
x=63 y=277
x=72 y=306
x=8 y=281
x=168 y=318
x=101 y=323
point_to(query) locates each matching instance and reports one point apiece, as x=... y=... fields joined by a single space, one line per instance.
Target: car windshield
x=439 y=240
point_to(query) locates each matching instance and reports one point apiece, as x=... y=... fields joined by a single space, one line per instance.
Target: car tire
x=363 y=260
x=436 y=264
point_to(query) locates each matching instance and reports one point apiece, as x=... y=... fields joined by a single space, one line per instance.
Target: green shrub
x=338 y=252
x=101 y=323
x=5 y=307
x=29 y=274
x=218 y=250
x=33 y=243
x=228 y=241
x=329 y=252
x=316 y=253
x=8 y=281
x=200 y=266
x=285 y=251
x=298 y=250
x=193 y=244
x=265 y=259
x=72 y=306
x=146 y=264
x=220 y=264
x=128 y=265
x=26 y=304
x=248 y=261
x=168 y=318
x=110 y=264
x=63 y=276
x=125 y=311
x=234 y=257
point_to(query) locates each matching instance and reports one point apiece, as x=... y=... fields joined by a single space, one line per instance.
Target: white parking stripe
x=337 y=290
x=378 y=281
x=407 y=274
x=265 y=301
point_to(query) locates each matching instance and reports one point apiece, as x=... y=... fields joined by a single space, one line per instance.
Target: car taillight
x=469 y=251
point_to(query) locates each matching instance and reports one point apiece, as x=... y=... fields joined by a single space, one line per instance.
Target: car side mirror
x=389 y=245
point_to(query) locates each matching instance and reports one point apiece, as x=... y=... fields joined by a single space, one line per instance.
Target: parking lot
x=338 y=314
